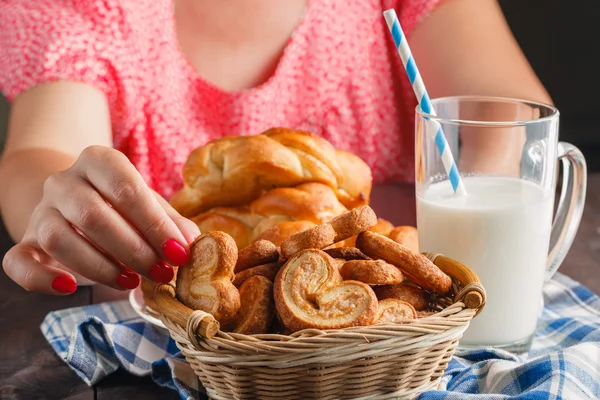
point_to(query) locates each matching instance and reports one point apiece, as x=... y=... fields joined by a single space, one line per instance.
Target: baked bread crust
x=416 y=266
x=204 y=282
x=309 y=293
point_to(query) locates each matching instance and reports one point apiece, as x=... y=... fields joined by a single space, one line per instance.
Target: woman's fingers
x=103 y=226
x=22 y=264
x=57 y=238
x=120 y=184
x=188 y=228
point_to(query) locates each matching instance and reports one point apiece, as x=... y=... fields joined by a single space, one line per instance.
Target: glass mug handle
x=570 y=205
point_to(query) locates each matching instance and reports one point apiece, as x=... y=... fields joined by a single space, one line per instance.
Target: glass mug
x=507 y=152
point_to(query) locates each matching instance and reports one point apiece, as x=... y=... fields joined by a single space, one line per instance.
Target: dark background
x=561 y=39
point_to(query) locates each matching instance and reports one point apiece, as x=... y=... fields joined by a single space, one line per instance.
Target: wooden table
x=29 y=369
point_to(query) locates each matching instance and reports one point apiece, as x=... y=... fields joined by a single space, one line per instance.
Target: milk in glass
x=501 y=231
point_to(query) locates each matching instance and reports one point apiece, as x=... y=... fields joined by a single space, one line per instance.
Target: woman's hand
x=99 y=220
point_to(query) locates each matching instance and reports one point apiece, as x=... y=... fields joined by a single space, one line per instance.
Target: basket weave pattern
x=392 y=361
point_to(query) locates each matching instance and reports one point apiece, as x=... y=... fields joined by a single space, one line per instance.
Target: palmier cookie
x=309 y=293
x=269 y=271
x=411 y=294
x=258 y=253
x=416 y=266
x=204 y=282
x=394 y=310
x=346 y=253
x=317 y=237
x=407 y=236
x=257 y=310
x=353 y=222
x=371 y=272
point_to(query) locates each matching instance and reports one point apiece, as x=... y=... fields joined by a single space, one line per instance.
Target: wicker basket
x=373 y=362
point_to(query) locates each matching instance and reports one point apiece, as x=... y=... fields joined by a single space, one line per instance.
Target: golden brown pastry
x=371 y=272
x=258 y=253
x=353 y=222
x=356 y=190
x=339 y=263
x=317 y=237
x=204 y=282
x=382 y=227
x=280 y=232
x=235 y=170
x=309 y=293
x=312 y=201
x=346 y=253
x=257 y=310
x=269 y=271
x=238 y=222
x=407 y=236
x=275 y=216
x=416 y=266
x=394 y=310
x=409 y=293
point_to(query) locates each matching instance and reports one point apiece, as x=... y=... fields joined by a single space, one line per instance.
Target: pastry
x=416 y=266
x=407 y=236
x=356 y=190
x=258 y=253
x=236 y=170
x=238 y=222
x=382 y=226
x=409 y=293
x=371 y=272
x=309 y=293
x=257 y=310
x=346 y=253
x=317 y=237
x=204 y=282
x=394 y=310
x=275 y=215
x=280 y=232
x=339 y=263
x=269 y=271
x=353 y=222
x=311 y=201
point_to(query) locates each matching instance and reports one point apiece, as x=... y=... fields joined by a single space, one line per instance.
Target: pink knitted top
x=339 y=77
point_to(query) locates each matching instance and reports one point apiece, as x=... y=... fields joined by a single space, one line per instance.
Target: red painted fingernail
x=128 y=279
x=64 y=284
x=175 y=252
x=162 y=272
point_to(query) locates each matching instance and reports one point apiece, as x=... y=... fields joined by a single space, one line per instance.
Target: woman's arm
x=465 y=47
x=79 y=209
x=49 y=127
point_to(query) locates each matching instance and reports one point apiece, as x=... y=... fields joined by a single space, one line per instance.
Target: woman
x=110 y=97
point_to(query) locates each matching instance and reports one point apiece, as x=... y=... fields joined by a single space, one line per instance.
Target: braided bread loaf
x=236 y=170
x=276 y=215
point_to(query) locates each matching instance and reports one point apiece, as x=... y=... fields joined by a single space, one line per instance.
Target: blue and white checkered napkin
x=564 y=362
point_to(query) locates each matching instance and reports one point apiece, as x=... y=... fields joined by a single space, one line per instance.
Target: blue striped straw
x=424 y=101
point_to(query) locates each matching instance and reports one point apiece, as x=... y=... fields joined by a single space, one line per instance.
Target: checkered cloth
x=564 y=362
